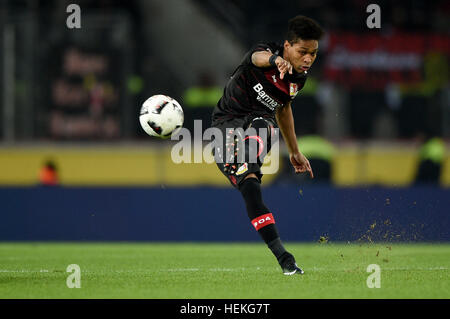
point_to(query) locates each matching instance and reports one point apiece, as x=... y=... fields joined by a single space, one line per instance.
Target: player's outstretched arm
x=285 y=121
x=261 y=59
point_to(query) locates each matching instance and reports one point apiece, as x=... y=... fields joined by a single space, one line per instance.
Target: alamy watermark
x=73 y=21
x=74 y=279
x=374 y=19
x=374 y=279
x=231 y=145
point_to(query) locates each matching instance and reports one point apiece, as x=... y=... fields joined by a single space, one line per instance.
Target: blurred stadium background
x=374 y=119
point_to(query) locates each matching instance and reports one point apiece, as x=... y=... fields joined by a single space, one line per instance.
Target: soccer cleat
x=292 y=270
x=289 y=266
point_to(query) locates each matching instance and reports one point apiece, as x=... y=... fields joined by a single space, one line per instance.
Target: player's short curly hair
x=304 y=28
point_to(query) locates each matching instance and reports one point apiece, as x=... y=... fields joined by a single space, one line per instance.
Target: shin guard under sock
x=260 y=217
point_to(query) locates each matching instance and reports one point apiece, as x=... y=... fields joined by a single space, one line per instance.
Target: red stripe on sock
x=262 y=221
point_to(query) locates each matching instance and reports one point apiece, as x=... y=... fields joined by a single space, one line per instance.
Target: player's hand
x=283 y=66
x=301 y=164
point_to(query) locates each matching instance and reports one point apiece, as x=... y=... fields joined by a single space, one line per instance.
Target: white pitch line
x=222 y=269
x=382 y=268
x=183 y=269
x=210 y=269
x=225 y=269
x=408 y=268
x=24 y=270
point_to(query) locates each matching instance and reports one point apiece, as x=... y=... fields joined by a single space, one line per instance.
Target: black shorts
x=236 y=167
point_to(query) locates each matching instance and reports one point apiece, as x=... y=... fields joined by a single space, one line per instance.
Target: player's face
x=301 y=54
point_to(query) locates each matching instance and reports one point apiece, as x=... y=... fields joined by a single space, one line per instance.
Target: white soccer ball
x=161 y=116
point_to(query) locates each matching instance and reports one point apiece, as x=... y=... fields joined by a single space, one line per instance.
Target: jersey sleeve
x=258 y=47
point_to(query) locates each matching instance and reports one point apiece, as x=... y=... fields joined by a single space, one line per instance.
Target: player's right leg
x=246 y=177
x=264 y=223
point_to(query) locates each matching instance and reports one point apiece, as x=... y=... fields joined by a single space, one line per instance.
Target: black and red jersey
x=255 y=91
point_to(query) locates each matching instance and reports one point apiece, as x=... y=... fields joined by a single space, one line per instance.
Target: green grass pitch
x=222 y=270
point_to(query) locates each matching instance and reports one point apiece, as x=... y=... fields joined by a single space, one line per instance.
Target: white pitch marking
x=224 y=269
x=183 y=269
x=210 y=269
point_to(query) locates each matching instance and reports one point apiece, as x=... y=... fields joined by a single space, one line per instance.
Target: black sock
x=277 y=248
x=258 y=212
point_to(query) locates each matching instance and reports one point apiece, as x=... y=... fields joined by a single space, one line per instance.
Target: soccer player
x=258 y=96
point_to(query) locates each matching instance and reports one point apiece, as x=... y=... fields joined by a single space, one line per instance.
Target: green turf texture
x=222 y=270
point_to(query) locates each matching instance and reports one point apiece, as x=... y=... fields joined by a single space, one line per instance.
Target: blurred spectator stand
x=199 y=101
x=320 y=154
